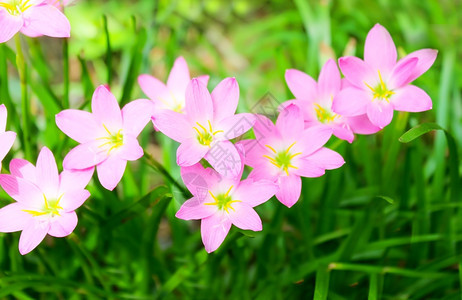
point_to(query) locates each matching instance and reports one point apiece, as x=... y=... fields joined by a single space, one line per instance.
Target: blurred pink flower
x=380 y=84
x=6 y=137
x=207 y=126
x=45 y=200
x=107 y=137
x=171 y=95
x=287 y=151
x=33 y=18
x=315 y=100
x=220 y=202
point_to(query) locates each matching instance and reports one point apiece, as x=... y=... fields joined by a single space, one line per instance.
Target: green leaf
x=417 y=131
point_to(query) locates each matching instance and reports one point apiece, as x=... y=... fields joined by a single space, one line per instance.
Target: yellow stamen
x=271 y=148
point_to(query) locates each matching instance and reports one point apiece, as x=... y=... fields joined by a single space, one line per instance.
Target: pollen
x=282 y=159
x=223 y=201
x=50 y=207
x=112 y=141
x=381 y=91
x=16 y=7
x=324 y=115
x=205 y=135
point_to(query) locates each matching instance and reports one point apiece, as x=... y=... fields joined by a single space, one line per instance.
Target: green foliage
x=387 y=225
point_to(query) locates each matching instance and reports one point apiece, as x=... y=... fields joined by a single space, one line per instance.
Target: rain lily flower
x=287 y=151
x=380 y=84
x=45 y=200
x=219 y=202
x=207 y=126
x=33 y=18
x=171 y=95
x=6 y=137
x=315 y=100
x=107 y=137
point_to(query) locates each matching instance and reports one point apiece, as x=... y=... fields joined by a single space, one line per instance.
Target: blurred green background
x=387 y=225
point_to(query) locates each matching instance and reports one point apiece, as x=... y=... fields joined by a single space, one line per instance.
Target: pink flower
x=315 y=100
x=6 y=137
x=380 y=83
x=107 y=137
x=286 y=151
x=33 y=18
x=45 y=200
x=219 y=202
x=207 y=126
x=172 y=95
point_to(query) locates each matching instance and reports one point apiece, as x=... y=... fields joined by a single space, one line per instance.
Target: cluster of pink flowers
x=206 y=127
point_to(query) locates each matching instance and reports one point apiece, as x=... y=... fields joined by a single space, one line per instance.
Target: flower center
x=112 y=141
x=381 y=91
x=324 y=115
x=204 y=135
x=16 y=7
x=223 y=201
x=51 y=207
x=282 y=159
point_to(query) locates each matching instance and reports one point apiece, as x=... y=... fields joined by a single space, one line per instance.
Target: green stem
x=25 y=108
x=66 y=73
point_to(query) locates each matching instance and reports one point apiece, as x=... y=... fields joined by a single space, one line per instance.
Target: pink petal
x=426 y=58
x=301 y=85
x=173 y=124
x=254 y=193
x=313 y=138
x=13 y=218
x=380 y=50
x=71 y=200
x=204 y=79
x=47 y=20
x=199 y=180
x=23 y=169
x=351 y=102
x=190 y=152
x=253 y=151
x=32 y=235
x=343 y=132
x=6 y=142
x=225 y=98
x=79 y=125
x=362 y=125
x=154 y=88
x=195 y=209
x=106 y=109
x=21 y=190
x=400 y=74
x=85 y=156
x=236 y=125
x=214 y=229
x=290 y=121
x=110 y=172
x=64 y=225
x=136 y=115
x=326 y=158
x=3 y=117
x=131 y=149
x=329 y=80
x=264 y=128
x=356 y=71
x=47 y=172
x=199 y=105
x=225 y=159
x=9 y=25
x=179 y=78
x=290 y=188
x=380 y=112
x=308 y=168
x=245 y=217
x=70 y=180
x=411 y=98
